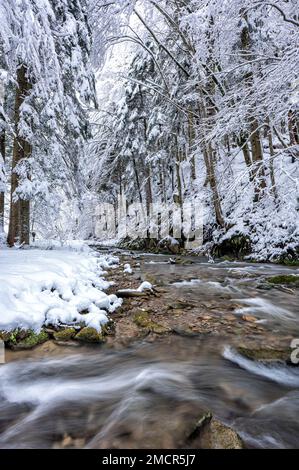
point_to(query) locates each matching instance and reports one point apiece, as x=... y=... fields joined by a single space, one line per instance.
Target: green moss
x=4 y=336
x=228 y=258
x=109 y=328
x=143 y=320
x=284 y=279
x=30 y=341
x=65 y=335
x=265 y=354
x=89 y=335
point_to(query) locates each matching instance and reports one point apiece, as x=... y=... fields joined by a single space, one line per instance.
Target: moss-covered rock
x=263 y=354
x=109 y=328
x=143 y=320
x=4 y=336
x=31 y=340
x=284 y=279
x=169 y=245
x=89 y=335
x=237 y=246
x=65 y=335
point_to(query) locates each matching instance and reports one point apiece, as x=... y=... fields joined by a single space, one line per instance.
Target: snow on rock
x=145 y=286
x=127 y=269
x=43 y=287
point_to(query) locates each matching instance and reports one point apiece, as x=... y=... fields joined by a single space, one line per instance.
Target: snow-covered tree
x=46 y=47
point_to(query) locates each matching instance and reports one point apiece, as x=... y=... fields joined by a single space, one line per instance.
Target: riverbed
x=212 y=339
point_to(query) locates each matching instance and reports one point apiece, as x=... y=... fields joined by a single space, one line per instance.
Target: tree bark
x=258 y=171
x=19 y=217
x=2 y=152
x=271 y=161
x=293 y=131
x=209 y=159
x=191 y=132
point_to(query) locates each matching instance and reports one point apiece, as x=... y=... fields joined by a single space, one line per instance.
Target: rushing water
x=151 y=395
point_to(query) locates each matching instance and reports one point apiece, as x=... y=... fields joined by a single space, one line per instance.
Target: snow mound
x=128 y=269
x=54 y=287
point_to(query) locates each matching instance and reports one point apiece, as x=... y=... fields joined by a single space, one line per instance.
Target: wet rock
x=181 y=304
x=169 y=245
x=143 y=320
x=184 y=332
x=149 y=278
x=89 y=335
x=27 y=340
x=249 y=318
x=237 y=246
x=128 y=293
x=204 y=419
x=218 y=436
x=65 y=334
x=265 y=354
x=289 y=279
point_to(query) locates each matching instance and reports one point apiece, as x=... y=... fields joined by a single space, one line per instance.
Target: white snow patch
x=127 y=269
x=145 y=286
x=39 y=287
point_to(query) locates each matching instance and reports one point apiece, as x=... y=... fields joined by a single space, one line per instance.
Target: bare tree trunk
x=19 y=227
x=191 y=141
x=2 y=152
x=179 y=199
x=293 y=131
x=148 y=188
x=258 y=171
x=242 y=142
x=210 y=164
x=24 y=221
x=271 y=162
x=209 y=159
x=137 y=180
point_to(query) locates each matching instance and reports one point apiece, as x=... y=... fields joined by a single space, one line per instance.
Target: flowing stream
x=151 y=394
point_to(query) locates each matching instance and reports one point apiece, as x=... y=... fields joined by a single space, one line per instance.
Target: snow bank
x=75 y=245
x=43 y=287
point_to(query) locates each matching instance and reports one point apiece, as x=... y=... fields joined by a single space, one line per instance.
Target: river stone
x=218 y=436
x=263 y=354
x=143 y=320
x=65 y=334
x=284 y=279
x=31 y=340
x=89 y=335
x=249 y=318
x=127 y=293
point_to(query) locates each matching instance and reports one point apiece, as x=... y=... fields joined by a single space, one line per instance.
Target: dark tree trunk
x=19 y=226
x=2 y=152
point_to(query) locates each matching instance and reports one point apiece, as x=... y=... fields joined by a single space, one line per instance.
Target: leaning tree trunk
x=19 y=226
